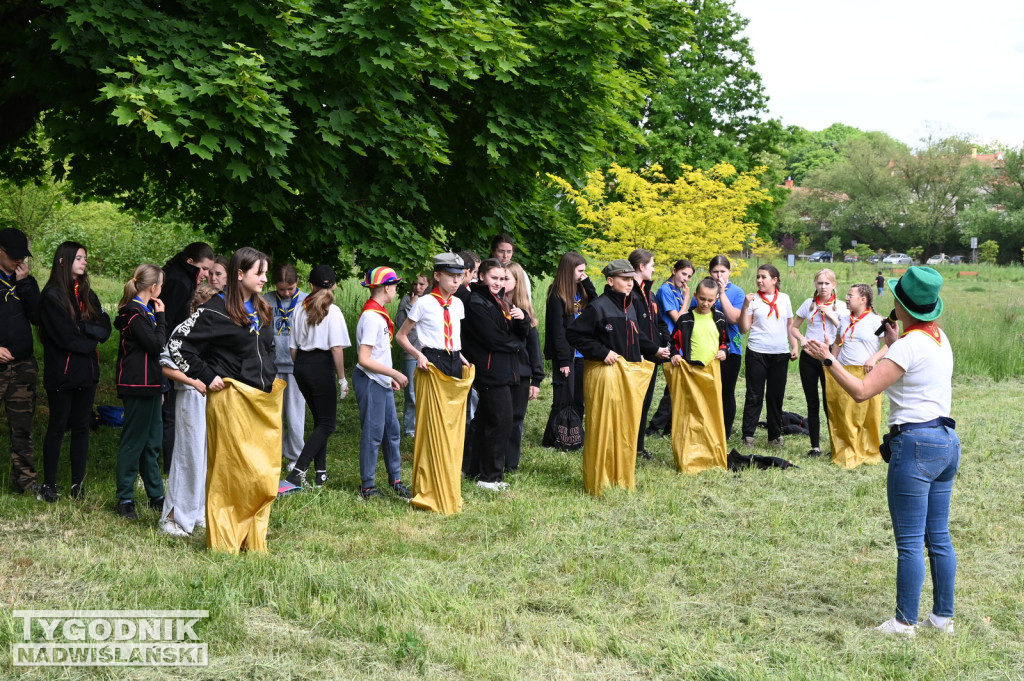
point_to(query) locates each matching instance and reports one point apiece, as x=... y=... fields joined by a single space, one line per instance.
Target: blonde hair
x=831 y=276
x=203 y=293
x=146 y=276
x=520 y=297
x=318 y=303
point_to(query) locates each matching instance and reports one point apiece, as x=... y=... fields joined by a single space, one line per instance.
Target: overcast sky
x=905 y=67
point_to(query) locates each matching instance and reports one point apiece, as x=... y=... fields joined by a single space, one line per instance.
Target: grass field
x=761 y=575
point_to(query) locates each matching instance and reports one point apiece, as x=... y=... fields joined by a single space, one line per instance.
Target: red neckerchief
x=81 y=303
x=931 y=329
x=445 y=304
x=372 y=305
x=853 y=323
x=772 y=307
x=830 y=301
x=502 y=305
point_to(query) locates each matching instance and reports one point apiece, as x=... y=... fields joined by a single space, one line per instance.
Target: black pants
x=167 y=412
x=520 y=400
x=491 y=430
x=317 y=380
x=662 y=419
x=812 y=375
x=69 y=410
x=448 y=363
x=648 y=398
x=730 y=375
x=766 y=381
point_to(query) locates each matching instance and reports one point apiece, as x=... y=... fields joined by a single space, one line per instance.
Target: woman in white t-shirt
x=319 y=337
x=822 y=312
x=766 y=314
x=922 y=447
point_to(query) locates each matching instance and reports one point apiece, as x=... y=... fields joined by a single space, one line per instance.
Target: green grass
x=762 y=575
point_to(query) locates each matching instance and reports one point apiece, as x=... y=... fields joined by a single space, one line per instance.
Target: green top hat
x=918 y=292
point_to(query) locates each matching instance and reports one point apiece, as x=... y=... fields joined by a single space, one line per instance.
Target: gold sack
x=614 y=399
x=243 y=442
x=440 y=436
x=854 y=429
x=698 y=422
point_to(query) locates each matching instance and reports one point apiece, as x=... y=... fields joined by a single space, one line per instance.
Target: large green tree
x=305 y=126
x=997 y=211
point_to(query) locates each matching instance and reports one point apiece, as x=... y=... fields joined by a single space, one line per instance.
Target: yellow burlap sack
x=698 y=423
x=440 y=436
x=613 y=397
x=243 y=441
x=854 y=429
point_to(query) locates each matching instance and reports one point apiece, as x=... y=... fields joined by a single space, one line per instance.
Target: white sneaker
x=172 y=528
x=894 y=626
x=502 y=485
x=932 y=623
x=492 y=486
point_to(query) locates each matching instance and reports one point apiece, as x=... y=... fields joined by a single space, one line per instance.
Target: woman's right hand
x=216 y=384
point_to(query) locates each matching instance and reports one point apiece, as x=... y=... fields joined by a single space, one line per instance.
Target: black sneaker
x=401 y=490
x=320 y=479
x=157 y=504
x=48 y=493
x=645 y=455
x=297 y=478
x=369 y=493
x=814 y=452
x=78 y=491
x=126 y=509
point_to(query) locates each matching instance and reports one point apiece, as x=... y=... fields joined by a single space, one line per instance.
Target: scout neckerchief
x=830 y=301
x=848 y=333
x=445 y=304
x=78 y=300
x=285 y=313
x=8 y=284
x=372 y=305
x=147 y=308
x=502 y=305
x=930 y=329
x=577 y=307
x=772 y=307
x=254 y=317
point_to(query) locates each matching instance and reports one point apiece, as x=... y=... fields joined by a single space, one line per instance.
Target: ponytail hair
x=317 y=304
x=203 y=293
x=145 y=277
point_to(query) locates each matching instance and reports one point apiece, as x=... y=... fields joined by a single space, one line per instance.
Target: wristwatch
x=826 y=362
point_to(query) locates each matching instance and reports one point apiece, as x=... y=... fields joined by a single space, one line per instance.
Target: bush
x=988 y=252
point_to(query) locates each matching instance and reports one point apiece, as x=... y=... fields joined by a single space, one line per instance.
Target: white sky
x=905 y=67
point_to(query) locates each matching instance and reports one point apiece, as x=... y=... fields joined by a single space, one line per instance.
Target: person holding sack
x=615 y=380
x=922 y=446
x=700 y=342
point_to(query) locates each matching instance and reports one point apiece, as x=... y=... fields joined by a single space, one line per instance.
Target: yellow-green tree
x=697 y=216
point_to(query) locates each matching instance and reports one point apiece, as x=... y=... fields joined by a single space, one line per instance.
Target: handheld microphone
x=891 y=319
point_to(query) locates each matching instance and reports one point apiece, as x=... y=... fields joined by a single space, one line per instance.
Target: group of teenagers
x=243 y=366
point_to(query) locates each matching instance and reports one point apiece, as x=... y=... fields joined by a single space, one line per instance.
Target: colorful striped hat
x=380 y=276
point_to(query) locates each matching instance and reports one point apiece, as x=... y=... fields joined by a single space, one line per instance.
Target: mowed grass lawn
x=761 y=575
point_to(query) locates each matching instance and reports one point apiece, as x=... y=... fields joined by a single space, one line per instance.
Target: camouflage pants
x=18 y=393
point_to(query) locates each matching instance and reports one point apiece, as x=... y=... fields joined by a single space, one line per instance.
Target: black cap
x=15 y=243
x=322 y=276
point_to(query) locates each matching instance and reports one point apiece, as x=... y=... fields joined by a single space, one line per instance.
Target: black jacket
x=70 y=359
x=530 y=363
x=178 y=289
x=609 y=323
x=17 y=307
x=682 y=337
x=652 y=327
x=209 y=344
x=138 y=354
x=556 y=321
x=490 y=341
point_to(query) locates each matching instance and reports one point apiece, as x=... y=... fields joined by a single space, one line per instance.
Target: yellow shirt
x=705 y=341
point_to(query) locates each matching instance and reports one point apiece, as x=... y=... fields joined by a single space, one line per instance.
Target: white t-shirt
x=925 y=391
x=818 y=325
x=331 y=332
x=770 y=335
x=861 y=343
x=372 y=330
x=429 y=317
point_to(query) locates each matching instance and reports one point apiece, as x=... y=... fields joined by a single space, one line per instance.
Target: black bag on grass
x=564 y=429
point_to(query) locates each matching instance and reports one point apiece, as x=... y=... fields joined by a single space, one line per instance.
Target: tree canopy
x=305 y=126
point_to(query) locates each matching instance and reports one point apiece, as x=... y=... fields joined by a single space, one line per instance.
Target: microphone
x=891 y=319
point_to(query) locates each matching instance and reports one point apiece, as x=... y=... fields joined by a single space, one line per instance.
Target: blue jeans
x=919 y=485
x=409 y=417
x=379 y=418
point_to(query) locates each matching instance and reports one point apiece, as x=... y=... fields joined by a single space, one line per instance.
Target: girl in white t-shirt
x=856 y=343
x=766 y=314
x=317 y=342
x=823 y=313
x=437 y=318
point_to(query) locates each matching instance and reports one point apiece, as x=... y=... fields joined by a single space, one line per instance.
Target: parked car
x=958 y=260
x=820 y=256
x=898 y=259
x=874 y=259
x=851 y=258
x=938 y=259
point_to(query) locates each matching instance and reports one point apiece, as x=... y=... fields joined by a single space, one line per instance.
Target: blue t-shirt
x=735 y=295
x=669 y=298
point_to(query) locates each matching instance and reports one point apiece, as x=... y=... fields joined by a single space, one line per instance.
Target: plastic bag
x=698 y=422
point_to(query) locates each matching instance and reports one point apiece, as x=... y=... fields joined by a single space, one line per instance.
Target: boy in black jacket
x=712 y=338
